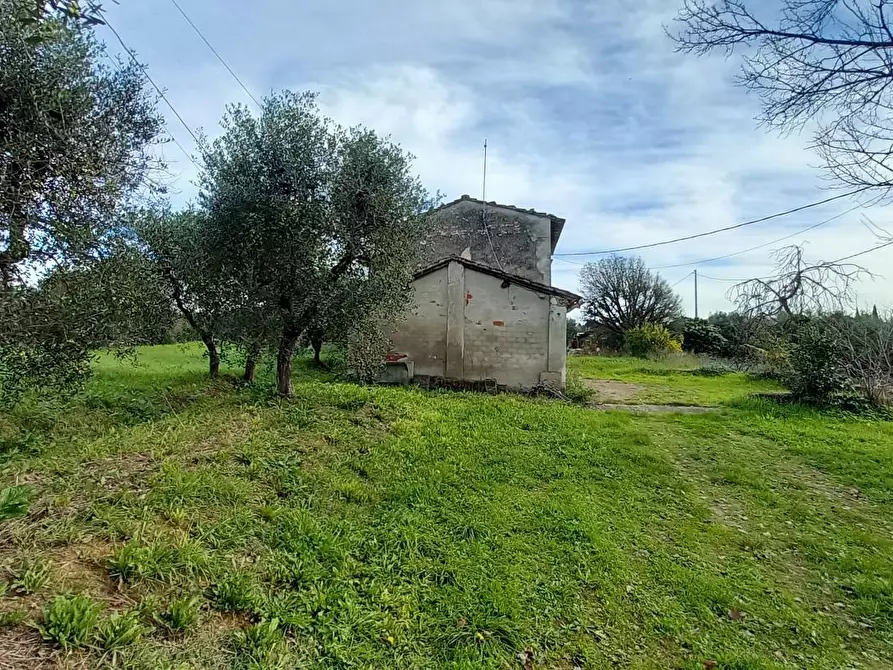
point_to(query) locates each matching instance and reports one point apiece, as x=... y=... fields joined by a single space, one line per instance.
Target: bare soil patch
x=658 y=409
x=23 y=649
x=610 y=391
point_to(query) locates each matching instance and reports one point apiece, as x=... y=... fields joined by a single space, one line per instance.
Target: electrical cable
x=166 y=131
x=151 y=81
x=760 y=246
x=839 y=260
x=862 y=253
x=215 y=52
x=717 y=230
x=674 y=285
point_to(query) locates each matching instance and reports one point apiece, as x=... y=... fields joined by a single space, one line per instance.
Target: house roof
x=571 y=299
x=557 y=223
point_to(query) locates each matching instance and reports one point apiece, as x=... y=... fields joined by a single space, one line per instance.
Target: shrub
x=651 y=339
x=120 y=630
x=69 y=622
x=701 y=337
x=182 y=614
x=814 y=368
x=260 y=647
x=866 y=350
x=160 y=562
x=576 y=389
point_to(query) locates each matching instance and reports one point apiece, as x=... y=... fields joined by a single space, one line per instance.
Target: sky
x=587 y=110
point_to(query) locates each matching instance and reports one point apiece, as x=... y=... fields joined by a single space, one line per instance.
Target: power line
x=166 y=131
x=214 y=51
x=839 y=260
x=717 y=230
x=564 y=260
x=725 y=279
x=760 y=246
x=862 y=253
x=151 y=81
x=675 y=284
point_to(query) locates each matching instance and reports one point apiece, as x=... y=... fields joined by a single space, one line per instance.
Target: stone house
x=484 y=306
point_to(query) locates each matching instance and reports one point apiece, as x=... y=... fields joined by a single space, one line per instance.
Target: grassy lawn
x=396 y=528
x=674 y=381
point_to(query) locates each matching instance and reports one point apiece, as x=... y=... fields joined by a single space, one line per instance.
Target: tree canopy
x=313 y=225
x=620 y=293
x=75 y=137
x=75 y=144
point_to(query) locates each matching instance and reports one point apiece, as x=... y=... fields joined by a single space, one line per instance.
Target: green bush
x=182 y=614
x=701 y=337
x=14 y=501
x=576 y=389
x=160 y=562
x=32 y=577
x=814 y=370
x=651 y=339
x=69 y=622
x=236 y=593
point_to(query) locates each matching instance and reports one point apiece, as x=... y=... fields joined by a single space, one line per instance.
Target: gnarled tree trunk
x=283 y=362
x=213 y=356
x=316 y=343
x=250 y=367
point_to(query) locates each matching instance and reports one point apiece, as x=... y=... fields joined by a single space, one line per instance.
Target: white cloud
x=589 y=113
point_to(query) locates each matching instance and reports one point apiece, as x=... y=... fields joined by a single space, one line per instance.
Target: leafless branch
x=828 y=61
x=799 y=287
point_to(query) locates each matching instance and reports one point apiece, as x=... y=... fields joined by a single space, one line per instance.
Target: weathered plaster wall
x=506 y=332
x=523 y=242
x=422 y=335
x=469 y=325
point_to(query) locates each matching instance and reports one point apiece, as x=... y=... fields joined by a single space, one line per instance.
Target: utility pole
x=696 y=294
x=484 y=190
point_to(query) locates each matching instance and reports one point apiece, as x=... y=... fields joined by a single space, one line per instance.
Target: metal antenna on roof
x=484 y=194
x=484 y=212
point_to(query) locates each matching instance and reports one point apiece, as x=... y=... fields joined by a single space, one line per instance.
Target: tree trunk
x=213 y=356
x=283 y=362
x=316 y=343
x=250 y=366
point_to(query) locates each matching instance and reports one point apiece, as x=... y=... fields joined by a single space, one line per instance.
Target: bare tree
x=799 y=287
x=621 y=293
x=866 y=349
x=825 y=60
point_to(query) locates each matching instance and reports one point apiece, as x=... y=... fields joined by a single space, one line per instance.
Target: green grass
x=388 y=527
x=673 y=381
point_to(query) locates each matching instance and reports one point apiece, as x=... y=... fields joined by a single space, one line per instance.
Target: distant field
x=397 y=528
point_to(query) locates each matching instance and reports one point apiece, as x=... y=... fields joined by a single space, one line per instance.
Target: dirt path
x=613 y=395
x=657 y=409
x=610 y=391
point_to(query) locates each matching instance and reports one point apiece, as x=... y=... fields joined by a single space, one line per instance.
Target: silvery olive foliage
x=75 y=143
x=314 y=226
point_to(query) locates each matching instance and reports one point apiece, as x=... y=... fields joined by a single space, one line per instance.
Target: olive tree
x=179 y=252
x=310 y=220
x=52 y=328
x=75 y=138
